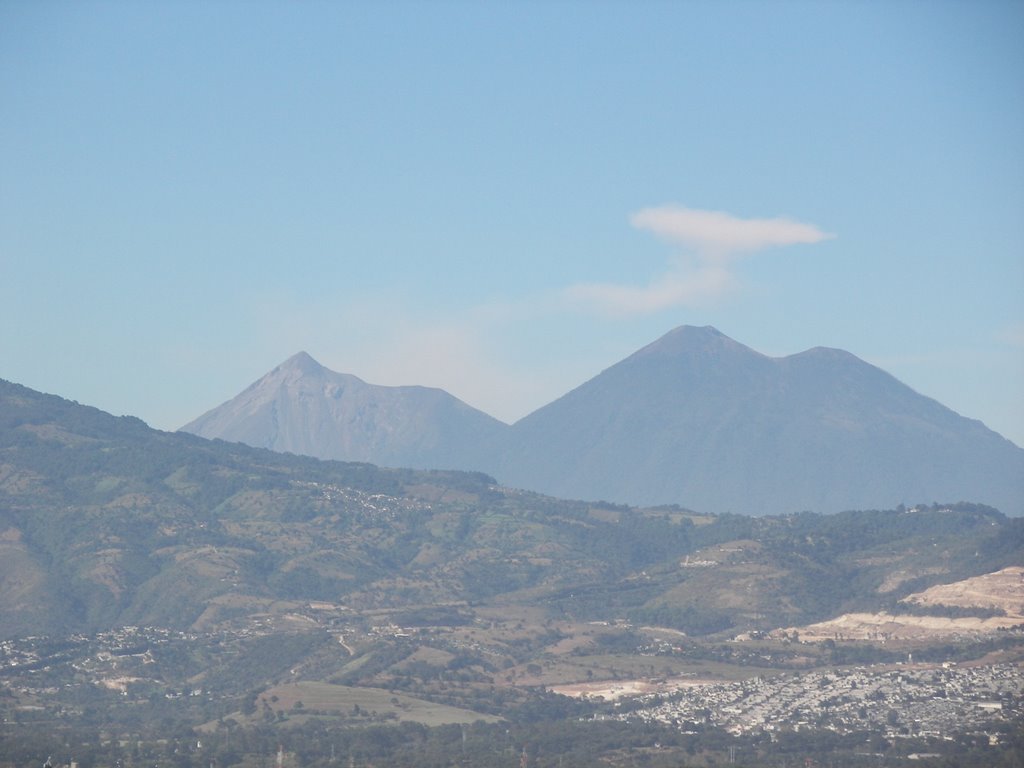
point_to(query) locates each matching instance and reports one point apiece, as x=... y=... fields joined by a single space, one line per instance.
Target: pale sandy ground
x=612 y=690
x=884 y=626
x=119 y=683
x=1002 y=590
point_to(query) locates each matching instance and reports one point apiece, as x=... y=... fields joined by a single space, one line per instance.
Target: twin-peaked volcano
x=699 y=419
x=695 y=419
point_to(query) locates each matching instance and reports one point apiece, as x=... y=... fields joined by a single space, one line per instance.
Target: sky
x=502 y=199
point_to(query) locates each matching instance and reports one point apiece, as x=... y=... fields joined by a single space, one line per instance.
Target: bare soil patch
x=1002 y=590
x=613 y=690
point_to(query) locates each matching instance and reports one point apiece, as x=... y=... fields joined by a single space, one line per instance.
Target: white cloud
x=702 y=272
x=718 y=233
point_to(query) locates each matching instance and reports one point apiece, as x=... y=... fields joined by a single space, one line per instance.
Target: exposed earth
x=1001 y=591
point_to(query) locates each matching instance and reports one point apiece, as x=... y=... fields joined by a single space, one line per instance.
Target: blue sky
x=503 y=199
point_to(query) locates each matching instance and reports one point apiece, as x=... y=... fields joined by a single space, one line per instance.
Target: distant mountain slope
x=694 y=418
x=105 y=522
x=301 y=407
x=699 y=419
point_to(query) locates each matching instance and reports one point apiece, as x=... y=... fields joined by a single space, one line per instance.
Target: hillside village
x=892 y=700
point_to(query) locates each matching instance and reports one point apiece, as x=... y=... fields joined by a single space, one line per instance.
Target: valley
x=307 y=666
x=172 y=598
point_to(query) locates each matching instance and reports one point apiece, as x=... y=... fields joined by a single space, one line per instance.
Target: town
x=895 y=701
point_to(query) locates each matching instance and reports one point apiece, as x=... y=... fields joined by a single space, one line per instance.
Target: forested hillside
x=109 y=522
x=155 y=583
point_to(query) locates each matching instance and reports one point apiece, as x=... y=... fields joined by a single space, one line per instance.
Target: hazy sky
x=503 y=199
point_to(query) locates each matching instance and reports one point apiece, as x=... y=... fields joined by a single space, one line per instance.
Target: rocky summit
x=301 y=407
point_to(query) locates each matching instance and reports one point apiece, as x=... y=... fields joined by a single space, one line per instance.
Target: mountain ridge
x=693 y=418
x=106 y=522
x=165 y=578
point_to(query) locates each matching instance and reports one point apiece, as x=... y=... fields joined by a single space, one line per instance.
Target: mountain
x=152 y=583
x=694 y=418
x=105 y=522
x=699 y=419
x=301 y=407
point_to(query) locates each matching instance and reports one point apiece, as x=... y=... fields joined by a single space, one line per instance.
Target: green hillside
x=153 y=581
x=107 y=522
